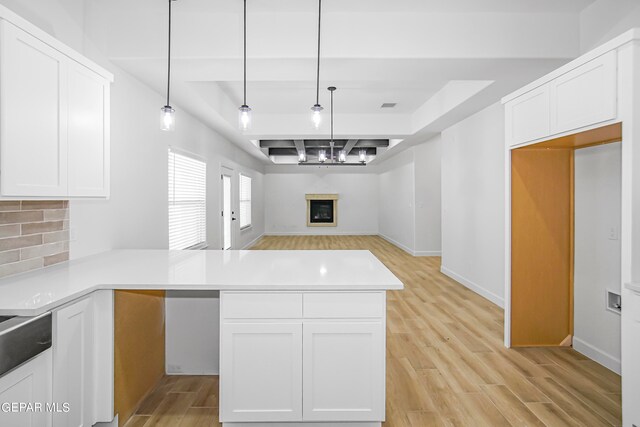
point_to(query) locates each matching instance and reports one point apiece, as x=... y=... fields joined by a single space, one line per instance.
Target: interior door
x=228 y=214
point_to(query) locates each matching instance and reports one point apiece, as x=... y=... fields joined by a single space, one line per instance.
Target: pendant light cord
x=245 y=52
x=318 y=69
x=332 y=119
x=169 y=56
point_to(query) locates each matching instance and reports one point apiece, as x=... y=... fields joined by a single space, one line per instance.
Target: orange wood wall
x=139 y=335
x=541 y=246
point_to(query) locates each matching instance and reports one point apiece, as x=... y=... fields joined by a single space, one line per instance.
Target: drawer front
x=344 y=305
x=256 y=305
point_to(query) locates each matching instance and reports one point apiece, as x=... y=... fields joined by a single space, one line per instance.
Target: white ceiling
x=439 y=60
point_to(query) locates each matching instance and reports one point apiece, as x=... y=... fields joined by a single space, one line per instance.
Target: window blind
x=245 y=201
x=187 y=201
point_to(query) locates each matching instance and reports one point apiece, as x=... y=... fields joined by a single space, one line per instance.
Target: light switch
x=613 y=233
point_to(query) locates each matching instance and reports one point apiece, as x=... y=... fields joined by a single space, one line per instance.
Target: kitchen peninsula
x=302 y=333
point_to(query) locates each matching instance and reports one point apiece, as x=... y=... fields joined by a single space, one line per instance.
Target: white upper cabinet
x=576 y=98
x=33 y=140
x=584 y=96
x=54 y=118
x=528 y=117
x=88 y=137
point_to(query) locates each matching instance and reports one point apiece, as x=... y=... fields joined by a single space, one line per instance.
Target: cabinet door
x=585 y=96
x=261 y=372
x=88 y=133
x=528 y=116
x=73 y=363
x=33 y=140
x=344 y=371
x=30 y=382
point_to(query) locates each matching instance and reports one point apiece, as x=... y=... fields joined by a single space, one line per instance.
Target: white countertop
x=34 y=293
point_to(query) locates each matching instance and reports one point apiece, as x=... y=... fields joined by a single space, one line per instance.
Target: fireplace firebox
x=322 y=210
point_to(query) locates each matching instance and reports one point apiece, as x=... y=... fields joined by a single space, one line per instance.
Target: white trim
x=597 y=355
x=499 y=301
x=398 y=244
x=321 y=232
x=253 y=242
x=427 y=253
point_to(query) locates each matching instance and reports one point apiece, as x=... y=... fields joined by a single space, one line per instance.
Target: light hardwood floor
x=446 y=365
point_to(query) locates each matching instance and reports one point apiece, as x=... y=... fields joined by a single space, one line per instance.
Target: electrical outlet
x=613 y=233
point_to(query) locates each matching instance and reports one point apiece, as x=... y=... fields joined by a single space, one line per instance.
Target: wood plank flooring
x=446 y=364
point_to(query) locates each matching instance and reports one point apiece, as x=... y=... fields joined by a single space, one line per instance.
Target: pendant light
x=322 y=156
x=167 y=113
x=317 y=108
x=244 y=112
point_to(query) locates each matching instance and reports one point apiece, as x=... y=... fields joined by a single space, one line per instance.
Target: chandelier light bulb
x=342 y=156
x=302 y=157
x=322 y=156
x=363 y=156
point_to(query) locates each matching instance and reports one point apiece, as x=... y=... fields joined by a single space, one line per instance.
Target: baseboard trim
x=427 y=253
x=597 y=355
x=499 y=301
x=323 y=233
x=398 y=244
x=253 y=242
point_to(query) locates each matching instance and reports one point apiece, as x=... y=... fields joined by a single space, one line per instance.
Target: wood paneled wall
x=541 y=246
x=139 y=334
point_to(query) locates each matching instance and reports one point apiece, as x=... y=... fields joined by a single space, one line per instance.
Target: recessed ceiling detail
x=291 y=151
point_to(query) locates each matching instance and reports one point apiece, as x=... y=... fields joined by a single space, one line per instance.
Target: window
x=245 y=201
x=187 y=201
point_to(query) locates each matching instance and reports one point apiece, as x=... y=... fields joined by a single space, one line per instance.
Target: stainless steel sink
x=22 y=338
x=5 y=318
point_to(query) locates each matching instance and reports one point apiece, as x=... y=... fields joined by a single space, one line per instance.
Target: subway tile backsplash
x=33 y=234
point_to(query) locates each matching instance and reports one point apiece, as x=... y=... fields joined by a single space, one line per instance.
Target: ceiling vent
x=389 y=105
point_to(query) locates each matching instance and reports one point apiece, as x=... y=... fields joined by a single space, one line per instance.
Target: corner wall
x=473 y=203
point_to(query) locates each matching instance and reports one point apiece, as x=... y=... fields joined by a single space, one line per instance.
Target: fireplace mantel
x=322 y=210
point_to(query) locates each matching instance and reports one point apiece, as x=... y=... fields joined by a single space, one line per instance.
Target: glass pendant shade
x=302 y=157
x=167 y=118
x=316 y=116
x=363 y=156
x=342 y=156
x=322 y=156
x=244 y=118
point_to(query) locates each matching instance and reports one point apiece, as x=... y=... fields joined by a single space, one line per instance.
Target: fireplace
x=322 y=210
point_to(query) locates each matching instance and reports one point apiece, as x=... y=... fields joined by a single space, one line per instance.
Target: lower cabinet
x=343 y=372
x=325 y=368
x=30 y=382
x=262 y=365
x=73 y=363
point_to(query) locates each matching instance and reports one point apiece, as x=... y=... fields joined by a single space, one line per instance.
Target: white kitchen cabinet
x=73 y=360
x=528 y=117
x=29 y=382
x=88 y=134
x=54 y=117
x=261 y=364
x=323 y=360
x=344 y=370
x=33 y=99
x=585 y=96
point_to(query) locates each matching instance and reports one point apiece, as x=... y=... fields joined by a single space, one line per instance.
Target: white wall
x=473 y=203
x=597 y=252
x=409 y=187
x=428 y=218
x=286 y=206
x=397 y=200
